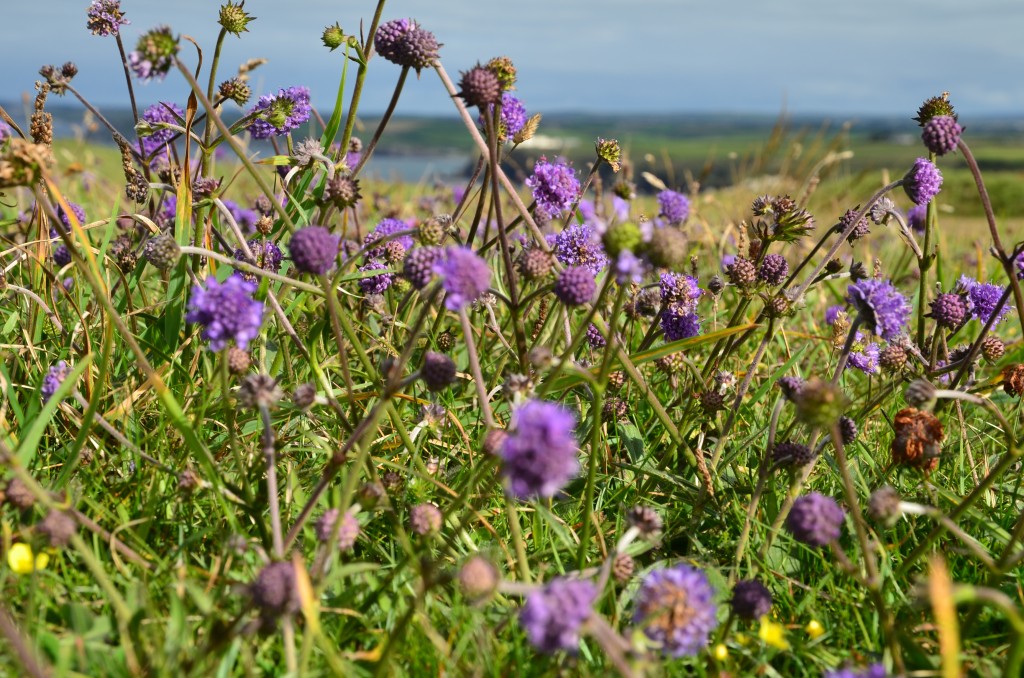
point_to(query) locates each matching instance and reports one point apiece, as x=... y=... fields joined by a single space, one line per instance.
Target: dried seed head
x=259 y=390
x=57 y=527
x=623 y=567
x=478 y=577
x=18 y=495
x=993 y=348
x=304 y=396
x=918 y=440
x=238 y=360
x=1013 y=380
x=742 y=273
x=893 y=358
x=646 y=520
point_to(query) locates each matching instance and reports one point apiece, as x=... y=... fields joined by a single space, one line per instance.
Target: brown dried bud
x=918 y=440
x=1013 y=380
x=478 y=578
x=623 y=567
x=238 y=360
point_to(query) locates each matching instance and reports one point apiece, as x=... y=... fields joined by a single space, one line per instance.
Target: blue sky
x=809 y=56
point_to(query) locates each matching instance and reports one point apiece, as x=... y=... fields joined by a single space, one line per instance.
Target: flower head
x=53 y=379
x=344 y=531
x=513 y=115
x=982 y=299
x=267 y=256
x=554 y=185
x=76 y=209
x=774 y=269
x=579 y=245
x=916 y=217
x=164 y=112
x=575 y=286
x=918 y=439
x=678 y=325
x=553 y=614
x=314 y=249
x=384 y=232
x=464 y=276
x=922 y=182
x=679 y=291
x=882 y=307
x=674 y=207
x=281 y=113
x=21 y=560
x=104 y=17
x=864 y=358
x=941 y=134
x=540 y=453
x=677 y=609
x=153 y=55
x=815 y=519
x=275 y=591
x=405 y=43
x=227 y=311
x=479 y=86
x=379 y=283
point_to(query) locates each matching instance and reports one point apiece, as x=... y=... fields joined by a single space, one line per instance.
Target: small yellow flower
x=773 y=634
x=814 y=629
x=721 y=652
x=21 y=560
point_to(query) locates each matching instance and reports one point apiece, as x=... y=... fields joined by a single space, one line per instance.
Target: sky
x=868 y=57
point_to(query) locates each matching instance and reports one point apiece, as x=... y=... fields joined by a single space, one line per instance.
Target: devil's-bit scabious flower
x=234 y=19
x=275 y=592
x=982 y=299
x=479 y=86
x=750 y=599
x=418 y=267
x=553 y=614
x=314 y=249
x=554 y=185
x=941 y=134
x=513 y=115
x=579 y=245
x=948 y=310
x=281 y=113
x=345 y=531
x=679 y=291
x=153 y=55
x=76 y=209
x=539 y=454
x=5 y=131
x=438 y=371
x=864 y=358
x=161 y=112
x=922 y=182
x=916 y=218
x=674 y=207
x=375 y=240
x=268 y=257
x=104 y=17
x=872 y=671
x=676 y=608
x=575 y=286
x=815 y=520
x=53 y=379
x=405 y=43
x=227 y=311
x=883 y=309
x=464 y=276
x=376 y=284
x=774 y=269
x=677 y=325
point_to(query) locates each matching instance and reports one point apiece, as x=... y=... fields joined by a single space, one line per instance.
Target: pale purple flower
x=677 y=325
x=376 y=239
x=539 y=456
x=376 y=284
x=165 y=112
x=53 y=379
x=815 y=519
x=513 y=114
x=579 y=245
x=554 y=185
x=281 y=113
x=883 y=309
x=104 y=17
x=674 y=207
x=922 y=182
x=916 y=218
x=982 y=299
x=154 y=54
x=864 y=357
x=676 y=608
x=680 y=291
x=227 y=311
x=553 y=614
x=464 y=276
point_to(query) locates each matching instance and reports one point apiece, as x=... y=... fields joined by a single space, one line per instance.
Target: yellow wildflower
x=773 y=633
x=814 y=629
x=721 y=652
x=21 y=560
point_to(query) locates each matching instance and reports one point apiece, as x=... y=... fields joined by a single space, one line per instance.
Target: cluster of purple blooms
x=104 y=17
x=676 y=608
x=553 y=614
x=883 y=309
x=554 y=185
x=153 y=55
x=464 y=276
x=863 y=357
x=279 y=114
x=923 y=182
x=267 y=254
x=539 y=456
x=245 y=218
x=579 y=245
x=227 y=312
x=513 y=114
x=982 y=299
x=314 y=249
x=165 y=112
x=55 y=376
x=679 y=295
x=674 y=207
x=815 y=520
x=385 y=231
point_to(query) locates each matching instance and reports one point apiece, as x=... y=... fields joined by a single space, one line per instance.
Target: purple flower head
x=76 y=209
x=314 y=249
x=595 y=338
x=104 y=17
x=982 y=299
x=629 y=268
x=5 y=131
x=881 y=305
x=675 y=207
x=832 y=313
x=864 y=359
x=405 y=43
x=621 y=208
x=378 y=237
x=554 y=185
x=872 y=671
x=539 y=455
x=56 y=375
x=917 y=217
x=153 y=55
x=1019 y=261
x=727 y=261
x=579 y=245
x=575 y=286
x=376 y=284
x=227 y=311
x=280 y=114
x=922 y=182
x=245 y=218
x=344 y=532
x=553 y=614
x=678 y=326
x=941 y=134
x=268 y=257
x=160 y=112
x=751 y=599
x=513 y=115
x=677 y=609
x=464 y=276
x=680 y=291
x=815 y=519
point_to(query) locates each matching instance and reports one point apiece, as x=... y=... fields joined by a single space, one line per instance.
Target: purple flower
x=554 y=185
x=579 y=245
x=832 y=313
x=76 y=209
x=629 y=268
x=922 y=182
x=594 y=337
x=872 y=671
x=153 y=55
x=464 y=276
x=5 y=131
x=378 y=237
x=104 y=17
x=553 y=614
x=727 y=261
x=675 y=207
x=53 y=379
x=314 y=249
x=376 y=284
x=882 y=307
x=1019 y=261
x=677 y=609
x=280 y=114
x=539 y=455
x=864 y=359
x=161 y=112
x=815 y=519
x=751 y=599
x=680 y=291
x=245 y=218
x=513 y=115
x=344 y=532
x=268 y=256
x=917 y=217
x=982 y=299
x=403 y=42
x=575 y=286
x=941 y=134
x=678 y=326
x=226 y=310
